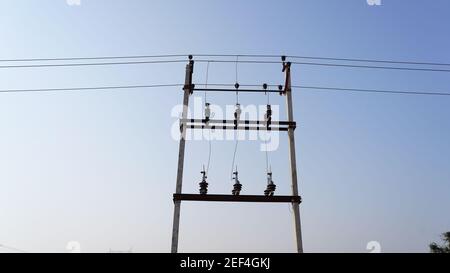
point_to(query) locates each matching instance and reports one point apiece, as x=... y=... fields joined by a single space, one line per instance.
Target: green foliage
x=445 y=248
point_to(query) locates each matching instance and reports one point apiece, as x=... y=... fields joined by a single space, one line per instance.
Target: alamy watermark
x=374 y=247
x=73 y=2
x=374 y=2
x=269 y=139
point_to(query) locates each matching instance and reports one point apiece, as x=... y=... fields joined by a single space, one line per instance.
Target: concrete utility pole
x=176 y=214
x=292 y=157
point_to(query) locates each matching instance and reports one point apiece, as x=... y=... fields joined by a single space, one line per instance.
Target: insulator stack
x=207 y=112
x=203 y=185
x=271 y=187
x=237 y=187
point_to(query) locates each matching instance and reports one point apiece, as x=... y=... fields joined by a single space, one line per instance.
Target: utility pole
x=238 y=124
x=292 y=157
x=187 y=92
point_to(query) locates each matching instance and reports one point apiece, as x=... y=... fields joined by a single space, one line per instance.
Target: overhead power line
x=255 y=61
x=369 y=60
x=325 y=58
x=254 y=90
x=374 y=67
x=325 y=88
x=330 y=65
x=225 y=55
x=89 y=88
x=403 y=92
x=219 y=61
x=91 y=64
x=95 y=58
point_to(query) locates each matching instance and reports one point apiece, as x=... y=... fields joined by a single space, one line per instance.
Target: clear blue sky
x=99 y=167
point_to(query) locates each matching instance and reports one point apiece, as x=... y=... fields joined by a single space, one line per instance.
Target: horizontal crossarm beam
x=237 y=90
x=247 y=125
x=240 y=122
x=232 y=127
x=237 y=198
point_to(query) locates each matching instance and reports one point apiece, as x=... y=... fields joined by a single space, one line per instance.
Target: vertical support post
x=176 y=214
x=292 y=158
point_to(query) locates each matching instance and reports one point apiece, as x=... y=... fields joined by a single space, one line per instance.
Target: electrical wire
x=267 y=135
x=267 y=153
x=406 y=92
x=331 y=65
x=209 y=130
x=89 y=88
x=234 y=156
x=222 y=61
x=207 y=75
x=95 y=58
x=372 y=90
x=400 y=92
x=325 y=58
x=236 y=78
x=228 y=55
x=91 y=64
x=373 y=67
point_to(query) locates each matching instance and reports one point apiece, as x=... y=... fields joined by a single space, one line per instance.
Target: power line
x=94 y=58
x=91 y=64
x=331 y=65
x=404 y=92
x=369 y=60
x=325 y=58
x=374 y=67
x=89 y=88
x=224 y=61
x=324 y=88
x=225 y=55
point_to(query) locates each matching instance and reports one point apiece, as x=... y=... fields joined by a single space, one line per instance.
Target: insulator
x=203 y=185
x=283 y=58
x=271 y=187
x=237 y=187
x=269 y=110
x=265 y=86
x=237 y=114
x=236 y=85
x=270 y=190
x=280 y=88
x=207 y=112
x=190 y=57
x=268 y=115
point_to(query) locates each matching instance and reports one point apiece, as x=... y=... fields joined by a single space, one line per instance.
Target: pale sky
x=99 y=167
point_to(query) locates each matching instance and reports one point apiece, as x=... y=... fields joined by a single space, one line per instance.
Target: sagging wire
x=271 y=187
x=234 y=157
x=207 y=117
x=267 y=116
x=236 y=85
x=237 y=114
